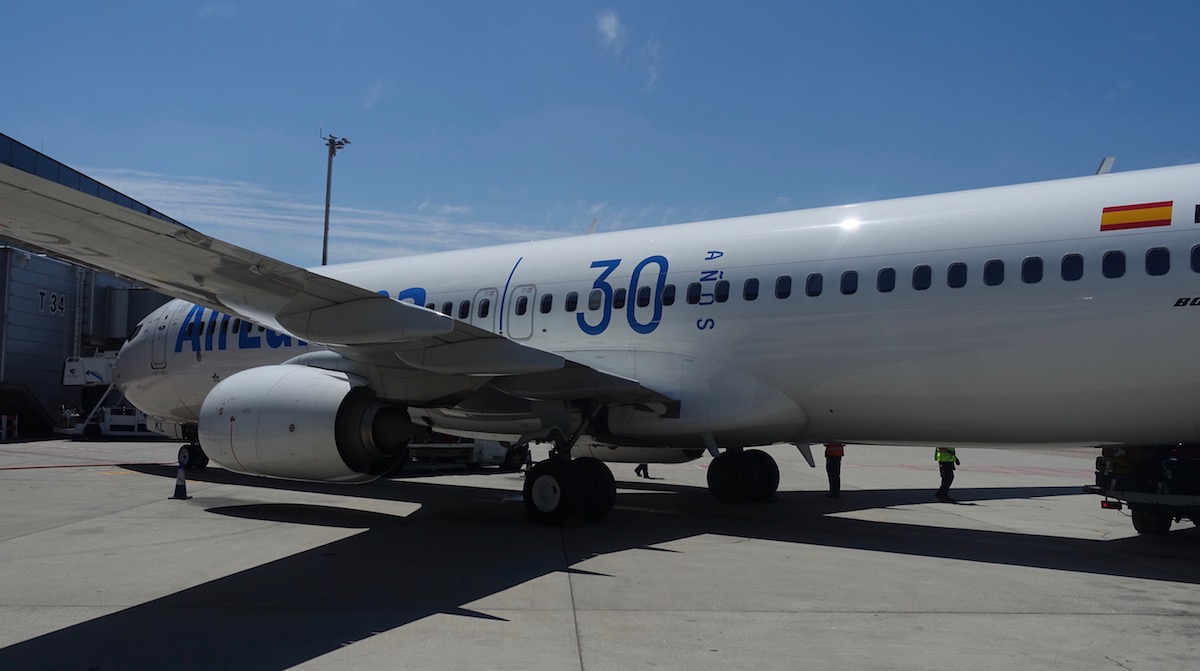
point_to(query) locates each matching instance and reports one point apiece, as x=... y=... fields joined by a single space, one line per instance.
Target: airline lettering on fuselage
x=1193 y=302
x=708 y=284
x=655 y=299
x=207 y=335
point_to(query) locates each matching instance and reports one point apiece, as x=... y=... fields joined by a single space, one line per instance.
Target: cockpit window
x=136 y=330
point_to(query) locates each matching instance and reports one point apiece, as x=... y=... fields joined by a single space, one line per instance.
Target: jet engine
x=302 y=423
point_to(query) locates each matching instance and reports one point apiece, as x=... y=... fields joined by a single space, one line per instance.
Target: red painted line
x=1142 y=206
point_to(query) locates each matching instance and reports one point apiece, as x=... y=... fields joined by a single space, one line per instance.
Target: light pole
x=334 y=143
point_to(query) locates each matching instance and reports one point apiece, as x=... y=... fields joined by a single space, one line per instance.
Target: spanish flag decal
x=1145 y=215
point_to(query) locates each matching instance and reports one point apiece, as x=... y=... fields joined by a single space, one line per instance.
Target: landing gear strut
x=738 y=476
x=561 y=489
x=191 y=457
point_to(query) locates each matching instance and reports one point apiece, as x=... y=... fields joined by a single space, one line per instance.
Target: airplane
x=1052 y=312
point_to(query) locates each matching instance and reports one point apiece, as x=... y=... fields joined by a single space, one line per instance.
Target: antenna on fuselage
x=592 y=228
x=1106 y=165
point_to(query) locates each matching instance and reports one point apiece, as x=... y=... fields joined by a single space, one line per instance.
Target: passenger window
x=1072 y=267
x=212 y=326
x=669 y=294
x=922 y=277
x=522 y=305
x=814 y=284
x=783 y=286
x=572 y=301
x=547 y=303
x=1196 y=259
x=1158 y=261
x=956 y=275
x=431 y=306
x=464 y=309
x=237 y=324
x=849 y=282
x=885 y=281
x=618 y=299
x=485 y=306
x=993 y=272
x=191 y=328
x=595 y=299
x=1112 y=264
x=693 y=293
x=643 y=297
x=722 y=291
x=1031 y=270
x=750 y=289
x=448 y=308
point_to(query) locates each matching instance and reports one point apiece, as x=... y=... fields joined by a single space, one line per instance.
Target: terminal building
x=51 y=311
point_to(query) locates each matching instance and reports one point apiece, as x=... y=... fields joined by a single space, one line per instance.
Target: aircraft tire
x=734 y=478
x=554 y=491
x=1150 y=521
x=601 y=488
x=192 y=458
x=768 y=472
x=514 y=458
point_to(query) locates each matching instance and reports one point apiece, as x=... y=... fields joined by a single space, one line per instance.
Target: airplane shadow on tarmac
x=465 y=544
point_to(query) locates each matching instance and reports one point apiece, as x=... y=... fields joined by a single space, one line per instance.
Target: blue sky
x=486 y=122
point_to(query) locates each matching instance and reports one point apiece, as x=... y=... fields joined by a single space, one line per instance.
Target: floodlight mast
x=334 y=143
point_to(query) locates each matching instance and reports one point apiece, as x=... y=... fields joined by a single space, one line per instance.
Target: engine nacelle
x=302 y=423
x=636 y=455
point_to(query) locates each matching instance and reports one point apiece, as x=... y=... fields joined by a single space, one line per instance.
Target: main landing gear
x=738 y=476
x=561 y=490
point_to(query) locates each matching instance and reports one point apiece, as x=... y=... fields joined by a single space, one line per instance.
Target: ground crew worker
x=946 y=462
x=833 y=467
x=642 y=470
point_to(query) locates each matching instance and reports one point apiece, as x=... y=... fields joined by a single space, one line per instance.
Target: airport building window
x=1072 y=267
x=783 y=286
x=750 y=289
x=619 y=299
x=1158 y=261
x=1196 y=259
x=485 y=307
x=595 y=299
x=850 y=282
x=448 y=308
x=669 y=294
x=547 y=303
x=885 y=281
x=814 y=284
x=721 y=291
x=1031 y=270
x=522 y=305
x=464 y=309
x=572 y=301
x=956 y=275
x=643 y=297
x=993 y=273
x=922 y=277
x=1112 y=264
x=693 y=293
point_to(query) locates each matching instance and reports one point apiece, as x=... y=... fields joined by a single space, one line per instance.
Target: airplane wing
x=53 y=208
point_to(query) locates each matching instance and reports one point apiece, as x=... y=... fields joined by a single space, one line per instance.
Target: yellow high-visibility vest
x=944 y=454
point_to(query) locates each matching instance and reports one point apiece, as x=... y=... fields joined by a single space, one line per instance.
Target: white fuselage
x=1001 y=359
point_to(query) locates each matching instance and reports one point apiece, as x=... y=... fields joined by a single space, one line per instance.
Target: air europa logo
x=221 y=331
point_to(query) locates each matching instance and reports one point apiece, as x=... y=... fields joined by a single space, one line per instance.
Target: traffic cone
x=180 y=486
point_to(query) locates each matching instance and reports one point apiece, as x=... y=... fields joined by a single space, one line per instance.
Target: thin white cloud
x=612 y=33
x=651 y=55
x=218 y=10
x=284 y=226
x=374 y=95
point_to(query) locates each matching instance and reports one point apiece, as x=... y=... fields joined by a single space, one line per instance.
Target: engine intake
x=302 y=423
